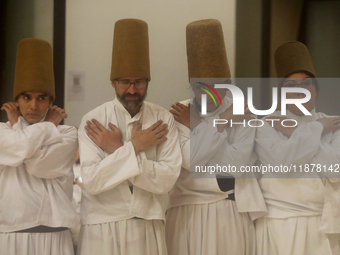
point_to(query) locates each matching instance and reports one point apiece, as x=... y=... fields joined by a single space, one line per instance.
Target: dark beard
x=131 y=104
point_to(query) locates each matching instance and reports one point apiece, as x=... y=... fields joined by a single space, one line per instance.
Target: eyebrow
x=294 y=79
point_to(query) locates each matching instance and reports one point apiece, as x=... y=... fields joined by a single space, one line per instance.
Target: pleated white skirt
x=209 y=229
x=57 y=243
x=126 y=237
x=294 y=236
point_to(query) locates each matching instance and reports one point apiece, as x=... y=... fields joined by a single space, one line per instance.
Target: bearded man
x=130 y=157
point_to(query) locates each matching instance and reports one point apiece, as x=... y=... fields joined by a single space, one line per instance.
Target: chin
x=32 y=121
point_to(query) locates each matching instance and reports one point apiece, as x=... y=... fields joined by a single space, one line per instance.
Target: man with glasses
x=130 y=157
x=303 y=205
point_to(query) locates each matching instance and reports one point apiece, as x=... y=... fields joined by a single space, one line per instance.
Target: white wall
x=89 y=34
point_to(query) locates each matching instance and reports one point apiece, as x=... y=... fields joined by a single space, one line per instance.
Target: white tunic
x=106 y=196
x=303 y=202
x=36 y=176
x=200 y=219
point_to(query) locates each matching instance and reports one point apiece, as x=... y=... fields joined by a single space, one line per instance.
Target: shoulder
x=157 y=111
x=4 y=126
x=99 y=111
x=185 y=102
x=323 y=115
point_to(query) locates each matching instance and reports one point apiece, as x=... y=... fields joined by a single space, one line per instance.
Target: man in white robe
x=209 y=215
x=304 y=209
x=36 y=161
x=130 y=157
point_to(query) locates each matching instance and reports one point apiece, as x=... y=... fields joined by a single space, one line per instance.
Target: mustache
x=139 y=96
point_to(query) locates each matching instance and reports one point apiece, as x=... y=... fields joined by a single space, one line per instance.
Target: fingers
x=155 y=125
x=336 y=120
x=177 y=118
x=5 y=107
x=174 y=112
x=98 y=125
x=138 y=126
x=178 y=107
x=161 y=140
x=10 y=106
x=161 y=131
x=90 y=133
x=160 y=128
x=56 y=109
x=113 y=127
x=92 y=127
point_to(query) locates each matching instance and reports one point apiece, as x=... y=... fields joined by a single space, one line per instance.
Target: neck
x=133 y=111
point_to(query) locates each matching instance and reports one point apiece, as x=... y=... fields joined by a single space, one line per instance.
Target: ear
x=113 y=84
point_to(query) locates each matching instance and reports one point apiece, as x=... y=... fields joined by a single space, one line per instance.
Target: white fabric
x=106 y=195
x=200 y=220
x=107 y=202
x=294 y=236
x=207 y=146
x=213 y=228
x=315 y=200
x=125 y=237
x=36 y=175
x=58 y=243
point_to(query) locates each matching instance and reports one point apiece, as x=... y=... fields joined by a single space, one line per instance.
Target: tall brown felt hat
x=293 y=57
x=34 y=67
x=207 y=56
x=130 y=53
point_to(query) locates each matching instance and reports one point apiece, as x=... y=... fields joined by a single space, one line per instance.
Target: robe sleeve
x=54 y=160
x=273 y=148
x=158 y=176
x=205 y=142
x=328 y=156
x=101 y=171
x=18 y=144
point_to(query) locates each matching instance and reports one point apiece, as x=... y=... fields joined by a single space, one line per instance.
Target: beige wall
x=89 y=34
x=25 y=19
x=285 y=25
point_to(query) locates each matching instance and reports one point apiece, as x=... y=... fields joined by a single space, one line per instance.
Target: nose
x=132 y=89
x=34 y=104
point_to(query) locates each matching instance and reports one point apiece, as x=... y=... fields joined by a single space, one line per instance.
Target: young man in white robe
x=36 y=161
x=210 y=215
x=130 y=157
x=304 y=208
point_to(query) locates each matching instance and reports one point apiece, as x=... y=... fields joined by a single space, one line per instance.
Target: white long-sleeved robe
x=305 y=207
x=106 y=196
x=36 y=176
x=196 y=197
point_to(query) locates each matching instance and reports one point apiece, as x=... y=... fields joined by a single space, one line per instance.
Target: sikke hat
x=130 y=52
x=206 y=53
x=293 y=57
x=34 y=67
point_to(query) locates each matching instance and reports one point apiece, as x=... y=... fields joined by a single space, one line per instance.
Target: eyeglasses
x=304 y=84
x=139 y=84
